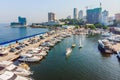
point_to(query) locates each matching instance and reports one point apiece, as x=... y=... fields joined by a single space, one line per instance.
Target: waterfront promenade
x=12 y=55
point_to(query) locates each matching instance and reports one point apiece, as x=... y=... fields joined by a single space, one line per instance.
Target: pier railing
x=15 y=40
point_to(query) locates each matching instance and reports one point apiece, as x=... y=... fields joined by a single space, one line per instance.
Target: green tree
x=105 y=27
x=91 y=26
x=77 y=26
x=98 y=25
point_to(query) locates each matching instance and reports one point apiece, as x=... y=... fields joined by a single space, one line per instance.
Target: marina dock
x=15 y=55
x=48 y=36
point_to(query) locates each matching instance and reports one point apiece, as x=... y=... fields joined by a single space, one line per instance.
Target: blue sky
x=37 y=10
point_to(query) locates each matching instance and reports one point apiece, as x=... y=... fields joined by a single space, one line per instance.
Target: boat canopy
x=6 y=75
x=5 y=63
x=11 y=67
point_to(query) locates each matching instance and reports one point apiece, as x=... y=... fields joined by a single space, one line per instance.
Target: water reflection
x=105 y=55
x=22 y=32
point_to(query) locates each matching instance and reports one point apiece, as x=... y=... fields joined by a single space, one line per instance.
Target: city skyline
x=36 y=11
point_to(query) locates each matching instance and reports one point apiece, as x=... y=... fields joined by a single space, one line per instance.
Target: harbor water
x=8 y=33
x=86 y=63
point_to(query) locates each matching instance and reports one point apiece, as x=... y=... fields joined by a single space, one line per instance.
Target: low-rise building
x=117 y=17
x=68 y=26
x=53 y=23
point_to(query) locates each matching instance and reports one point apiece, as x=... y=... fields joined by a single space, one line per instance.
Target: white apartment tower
x=80 y=15
x=104 y=20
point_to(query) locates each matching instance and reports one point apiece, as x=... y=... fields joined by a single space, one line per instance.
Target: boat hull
x=103 y=50
x=80 y=46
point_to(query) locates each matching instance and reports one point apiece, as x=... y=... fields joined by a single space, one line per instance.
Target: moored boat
x=103 y=48
x=9 y=66
x=29 y=58
x=7 y=75
x=118 y=55
x=68 y=51
x=73 y=45
x=106 y=34
x=80 y=44
x=24 y=66
x=18 y=70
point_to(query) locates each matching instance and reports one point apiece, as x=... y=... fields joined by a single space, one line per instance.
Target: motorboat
x=118 y=55
x=103 y=48
x=68 y=51
x=114 y=38
x=24 y=66
x=29 y=58
x=5 y=63
x=73 y=45
x=18 y=70
x=9 y=66
x=58 y=40
x=106 y=34
x=68 y=35
x=51 y=44
x=7 y=75
x=43 y=53
x=2 y=70
x=38 y=52
x=3 y=53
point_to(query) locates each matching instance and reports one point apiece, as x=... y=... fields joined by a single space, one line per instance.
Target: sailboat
x=73 y=45
x=80 y=44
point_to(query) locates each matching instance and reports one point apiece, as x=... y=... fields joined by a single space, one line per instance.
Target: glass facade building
x=75 y=13
x=51 y=16
x=22 y=20
x=94 y=15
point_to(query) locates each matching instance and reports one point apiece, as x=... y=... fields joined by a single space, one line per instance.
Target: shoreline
x=19 y=39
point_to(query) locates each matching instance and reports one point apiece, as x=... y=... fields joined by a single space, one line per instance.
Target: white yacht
x=38 y=53
x=118 y=55
x=18 y=70
x=7 y=63
x=3 y=53
x=24 y=66
x=9 y=66
x=7 y=75
x=103 y=48
x=106 y=34
x=68 y=51
x=29 y=58
x=43 y=53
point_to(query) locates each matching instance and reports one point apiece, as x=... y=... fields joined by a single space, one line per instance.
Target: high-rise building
x=80 y=15
x=104 y=19
x=94 y=15
x=110 y=20
x=69 y=17
x=117 y=17
x=51 y=16
x=75 y=13
x=22 y=20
